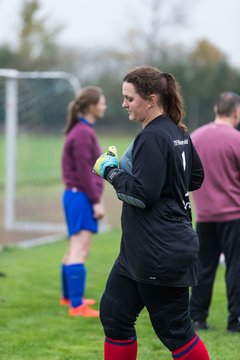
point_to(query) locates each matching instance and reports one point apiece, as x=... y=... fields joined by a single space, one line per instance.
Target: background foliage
x=203 y=71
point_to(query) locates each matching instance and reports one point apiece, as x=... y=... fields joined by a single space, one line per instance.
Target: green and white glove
x=106 y=163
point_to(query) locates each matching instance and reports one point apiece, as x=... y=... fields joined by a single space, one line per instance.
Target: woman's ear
x=153 y=100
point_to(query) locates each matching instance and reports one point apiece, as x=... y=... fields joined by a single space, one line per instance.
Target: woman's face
x=137 y=107
x=99 y=109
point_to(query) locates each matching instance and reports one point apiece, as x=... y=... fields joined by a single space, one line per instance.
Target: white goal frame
x=11 y=77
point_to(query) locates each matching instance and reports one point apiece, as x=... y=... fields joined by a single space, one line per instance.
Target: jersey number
x=184 y=160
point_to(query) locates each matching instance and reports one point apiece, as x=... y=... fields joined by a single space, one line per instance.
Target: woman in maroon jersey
x=82 y=195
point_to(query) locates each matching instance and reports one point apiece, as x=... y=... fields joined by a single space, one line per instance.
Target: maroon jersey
x=218 y=146
x=81 y=150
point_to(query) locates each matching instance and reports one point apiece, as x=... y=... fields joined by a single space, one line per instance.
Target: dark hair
x=226 y=103
x=88 y=96
x=148 y=80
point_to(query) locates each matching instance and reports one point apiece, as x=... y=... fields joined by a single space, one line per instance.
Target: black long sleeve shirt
x=158 y=243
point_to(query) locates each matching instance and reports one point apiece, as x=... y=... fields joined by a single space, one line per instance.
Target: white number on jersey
x=184 y=160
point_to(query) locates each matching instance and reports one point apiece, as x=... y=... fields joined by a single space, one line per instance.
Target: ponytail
x=172 y=101
x=88 y=96
x=71 y=117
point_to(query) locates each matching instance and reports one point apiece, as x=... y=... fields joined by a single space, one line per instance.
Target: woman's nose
x=124 y=104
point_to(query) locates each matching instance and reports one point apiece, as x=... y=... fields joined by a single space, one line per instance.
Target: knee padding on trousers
x=116 y=321
x=173 y=327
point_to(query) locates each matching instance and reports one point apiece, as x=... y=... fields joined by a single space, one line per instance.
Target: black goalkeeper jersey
x=159 y=245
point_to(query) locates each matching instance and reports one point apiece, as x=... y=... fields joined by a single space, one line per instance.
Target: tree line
x=202 y=72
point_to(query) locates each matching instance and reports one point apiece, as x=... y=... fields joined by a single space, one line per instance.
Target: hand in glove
x=106 y=163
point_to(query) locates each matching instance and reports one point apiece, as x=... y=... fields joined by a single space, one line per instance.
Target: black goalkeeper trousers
x=168 y=308
x=216 y=238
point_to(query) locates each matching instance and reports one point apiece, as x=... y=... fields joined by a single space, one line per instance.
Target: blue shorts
x=78 y=212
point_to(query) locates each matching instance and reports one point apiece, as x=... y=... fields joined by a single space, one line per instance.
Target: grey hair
x=226 y=103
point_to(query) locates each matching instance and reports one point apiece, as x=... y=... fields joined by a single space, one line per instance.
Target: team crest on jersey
x=180 y=142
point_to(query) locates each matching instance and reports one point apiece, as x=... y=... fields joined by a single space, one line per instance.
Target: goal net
x=34 y=106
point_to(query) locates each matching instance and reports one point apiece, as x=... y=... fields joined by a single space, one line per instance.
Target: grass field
x=38 y=157
x=38 y=172
x=34 y=326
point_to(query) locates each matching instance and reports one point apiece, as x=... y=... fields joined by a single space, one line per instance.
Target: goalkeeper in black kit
x=159 y=248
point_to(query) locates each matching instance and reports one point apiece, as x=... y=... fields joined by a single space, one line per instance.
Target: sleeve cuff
x=111 y=173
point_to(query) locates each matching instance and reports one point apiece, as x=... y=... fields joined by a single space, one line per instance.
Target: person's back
x=218 y=146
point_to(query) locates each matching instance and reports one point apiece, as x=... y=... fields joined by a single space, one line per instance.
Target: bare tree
x=36 y=36
x=162 y=17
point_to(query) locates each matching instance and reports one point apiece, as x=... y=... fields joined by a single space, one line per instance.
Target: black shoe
x=200 y=325
x=234 y=328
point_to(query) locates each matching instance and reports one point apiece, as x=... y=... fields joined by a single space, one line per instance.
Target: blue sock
x=76 y=275
x=65 y=294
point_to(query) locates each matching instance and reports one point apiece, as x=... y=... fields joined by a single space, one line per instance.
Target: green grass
x=34 y=326
x=38 y=158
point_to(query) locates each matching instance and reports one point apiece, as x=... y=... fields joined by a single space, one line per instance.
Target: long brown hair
x=88 y=96
x=148 y=80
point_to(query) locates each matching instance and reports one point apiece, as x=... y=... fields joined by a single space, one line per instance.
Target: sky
x=99 y=23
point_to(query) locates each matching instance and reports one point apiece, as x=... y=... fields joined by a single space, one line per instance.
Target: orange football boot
x=83 y=310
x=66 y=302
x=89 y=301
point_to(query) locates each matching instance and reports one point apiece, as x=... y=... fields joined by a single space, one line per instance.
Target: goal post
x=12 y=78
x=33 y=142
x=10 y=155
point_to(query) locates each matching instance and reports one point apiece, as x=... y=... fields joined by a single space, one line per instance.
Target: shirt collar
x=85 y=121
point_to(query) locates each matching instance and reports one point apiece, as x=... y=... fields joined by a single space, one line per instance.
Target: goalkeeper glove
x=106 y=163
